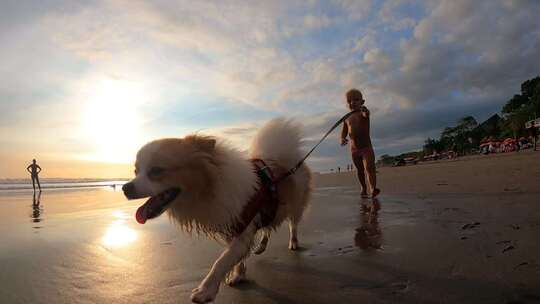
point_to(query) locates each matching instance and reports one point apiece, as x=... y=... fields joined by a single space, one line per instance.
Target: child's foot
x=375 y=192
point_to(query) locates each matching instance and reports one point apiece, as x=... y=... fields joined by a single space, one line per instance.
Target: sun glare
x=111 y=121
x=118 y=234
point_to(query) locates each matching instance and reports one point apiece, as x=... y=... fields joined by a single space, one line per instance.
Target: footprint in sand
x=508 y=248
x=470 y=226
x=399 y=287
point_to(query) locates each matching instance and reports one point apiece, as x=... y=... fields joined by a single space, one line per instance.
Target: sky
x=84 y=84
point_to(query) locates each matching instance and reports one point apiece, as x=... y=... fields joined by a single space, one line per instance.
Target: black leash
x=293 y=169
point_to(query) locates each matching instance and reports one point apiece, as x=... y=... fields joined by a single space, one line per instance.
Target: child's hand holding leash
x=364 y=111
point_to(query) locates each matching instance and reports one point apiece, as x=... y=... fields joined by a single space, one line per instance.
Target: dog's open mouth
x=156 y=205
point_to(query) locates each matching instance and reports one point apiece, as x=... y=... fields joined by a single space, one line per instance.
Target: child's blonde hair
x=352 y=93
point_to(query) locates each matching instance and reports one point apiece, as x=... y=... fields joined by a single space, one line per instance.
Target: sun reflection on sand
x=118 y=234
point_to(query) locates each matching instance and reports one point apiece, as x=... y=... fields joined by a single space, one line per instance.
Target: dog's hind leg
x=293 y=237
x=297 y=207
x=261 y=246
x=294 y=219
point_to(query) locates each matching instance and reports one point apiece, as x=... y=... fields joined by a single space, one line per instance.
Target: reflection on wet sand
x=118 y=234
x=37 y=210
x=368 y=235
x=424 y=260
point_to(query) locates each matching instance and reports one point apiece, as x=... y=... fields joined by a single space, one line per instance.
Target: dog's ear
x=203 y=143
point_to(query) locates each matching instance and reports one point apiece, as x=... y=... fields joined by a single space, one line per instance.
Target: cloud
x=365 y=42
x=316 y=22
x=378 y=61
x=457 y=49
x=355 y=9
x=420 y=64
x=394 y=13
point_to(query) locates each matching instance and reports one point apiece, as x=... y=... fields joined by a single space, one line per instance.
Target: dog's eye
x=155 y=172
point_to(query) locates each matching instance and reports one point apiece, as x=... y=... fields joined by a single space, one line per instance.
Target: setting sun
x=111 y=121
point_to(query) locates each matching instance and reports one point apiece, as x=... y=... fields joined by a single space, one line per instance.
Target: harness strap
x=264 y=201
x=293 y=169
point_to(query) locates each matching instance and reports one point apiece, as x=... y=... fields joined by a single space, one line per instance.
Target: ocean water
x=59 y=183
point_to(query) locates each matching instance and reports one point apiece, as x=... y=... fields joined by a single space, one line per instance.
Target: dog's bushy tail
x=279 y=140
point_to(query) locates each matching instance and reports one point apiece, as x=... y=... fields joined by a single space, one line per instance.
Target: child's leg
x=369 y=164
x=360 y=171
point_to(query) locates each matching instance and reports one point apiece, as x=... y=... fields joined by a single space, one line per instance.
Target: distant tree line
x=522 y=108
x=465 y=137
x=460 y=138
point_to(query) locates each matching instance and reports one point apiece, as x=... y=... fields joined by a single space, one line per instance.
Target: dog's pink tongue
x=140 y=215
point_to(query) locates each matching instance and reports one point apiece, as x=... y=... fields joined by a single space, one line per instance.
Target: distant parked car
x=434 y=156
x=405 y=161
x=410 y=160
x=400 y=162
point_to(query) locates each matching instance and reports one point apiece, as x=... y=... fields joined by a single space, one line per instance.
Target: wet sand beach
x=84 y=246
x=495 y=173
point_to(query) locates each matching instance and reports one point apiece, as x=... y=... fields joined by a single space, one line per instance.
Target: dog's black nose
x=129 y=190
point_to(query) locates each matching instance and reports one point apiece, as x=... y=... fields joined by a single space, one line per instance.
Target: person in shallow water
x=34 y=170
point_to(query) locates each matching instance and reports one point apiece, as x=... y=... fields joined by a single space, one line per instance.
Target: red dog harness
x=264 y=202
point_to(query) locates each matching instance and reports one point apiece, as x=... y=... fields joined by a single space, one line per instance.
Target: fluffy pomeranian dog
x=208 y=187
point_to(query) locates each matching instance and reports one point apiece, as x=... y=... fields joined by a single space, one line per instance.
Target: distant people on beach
x=34 y=170
x=453 y=152
x=490 y=145
x=535 y=138
x=356 y=127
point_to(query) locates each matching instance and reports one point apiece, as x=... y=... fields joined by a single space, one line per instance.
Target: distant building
x=491 y=126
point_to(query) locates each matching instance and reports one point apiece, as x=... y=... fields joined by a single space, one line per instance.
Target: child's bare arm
x=344 y=133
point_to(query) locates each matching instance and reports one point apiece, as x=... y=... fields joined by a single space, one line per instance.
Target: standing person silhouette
x=33 y=170
x=356 y=127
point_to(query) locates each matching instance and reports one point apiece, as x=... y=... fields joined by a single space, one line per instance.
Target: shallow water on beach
x=84 y=246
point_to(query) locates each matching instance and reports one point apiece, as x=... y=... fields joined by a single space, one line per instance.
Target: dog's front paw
x=236 y=278
x=203 y=294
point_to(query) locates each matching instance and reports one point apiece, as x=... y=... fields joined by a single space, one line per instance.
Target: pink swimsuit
x=360 y=152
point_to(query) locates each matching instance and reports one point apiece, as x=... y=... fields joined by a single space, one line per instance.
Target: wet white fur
x=278 y=143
